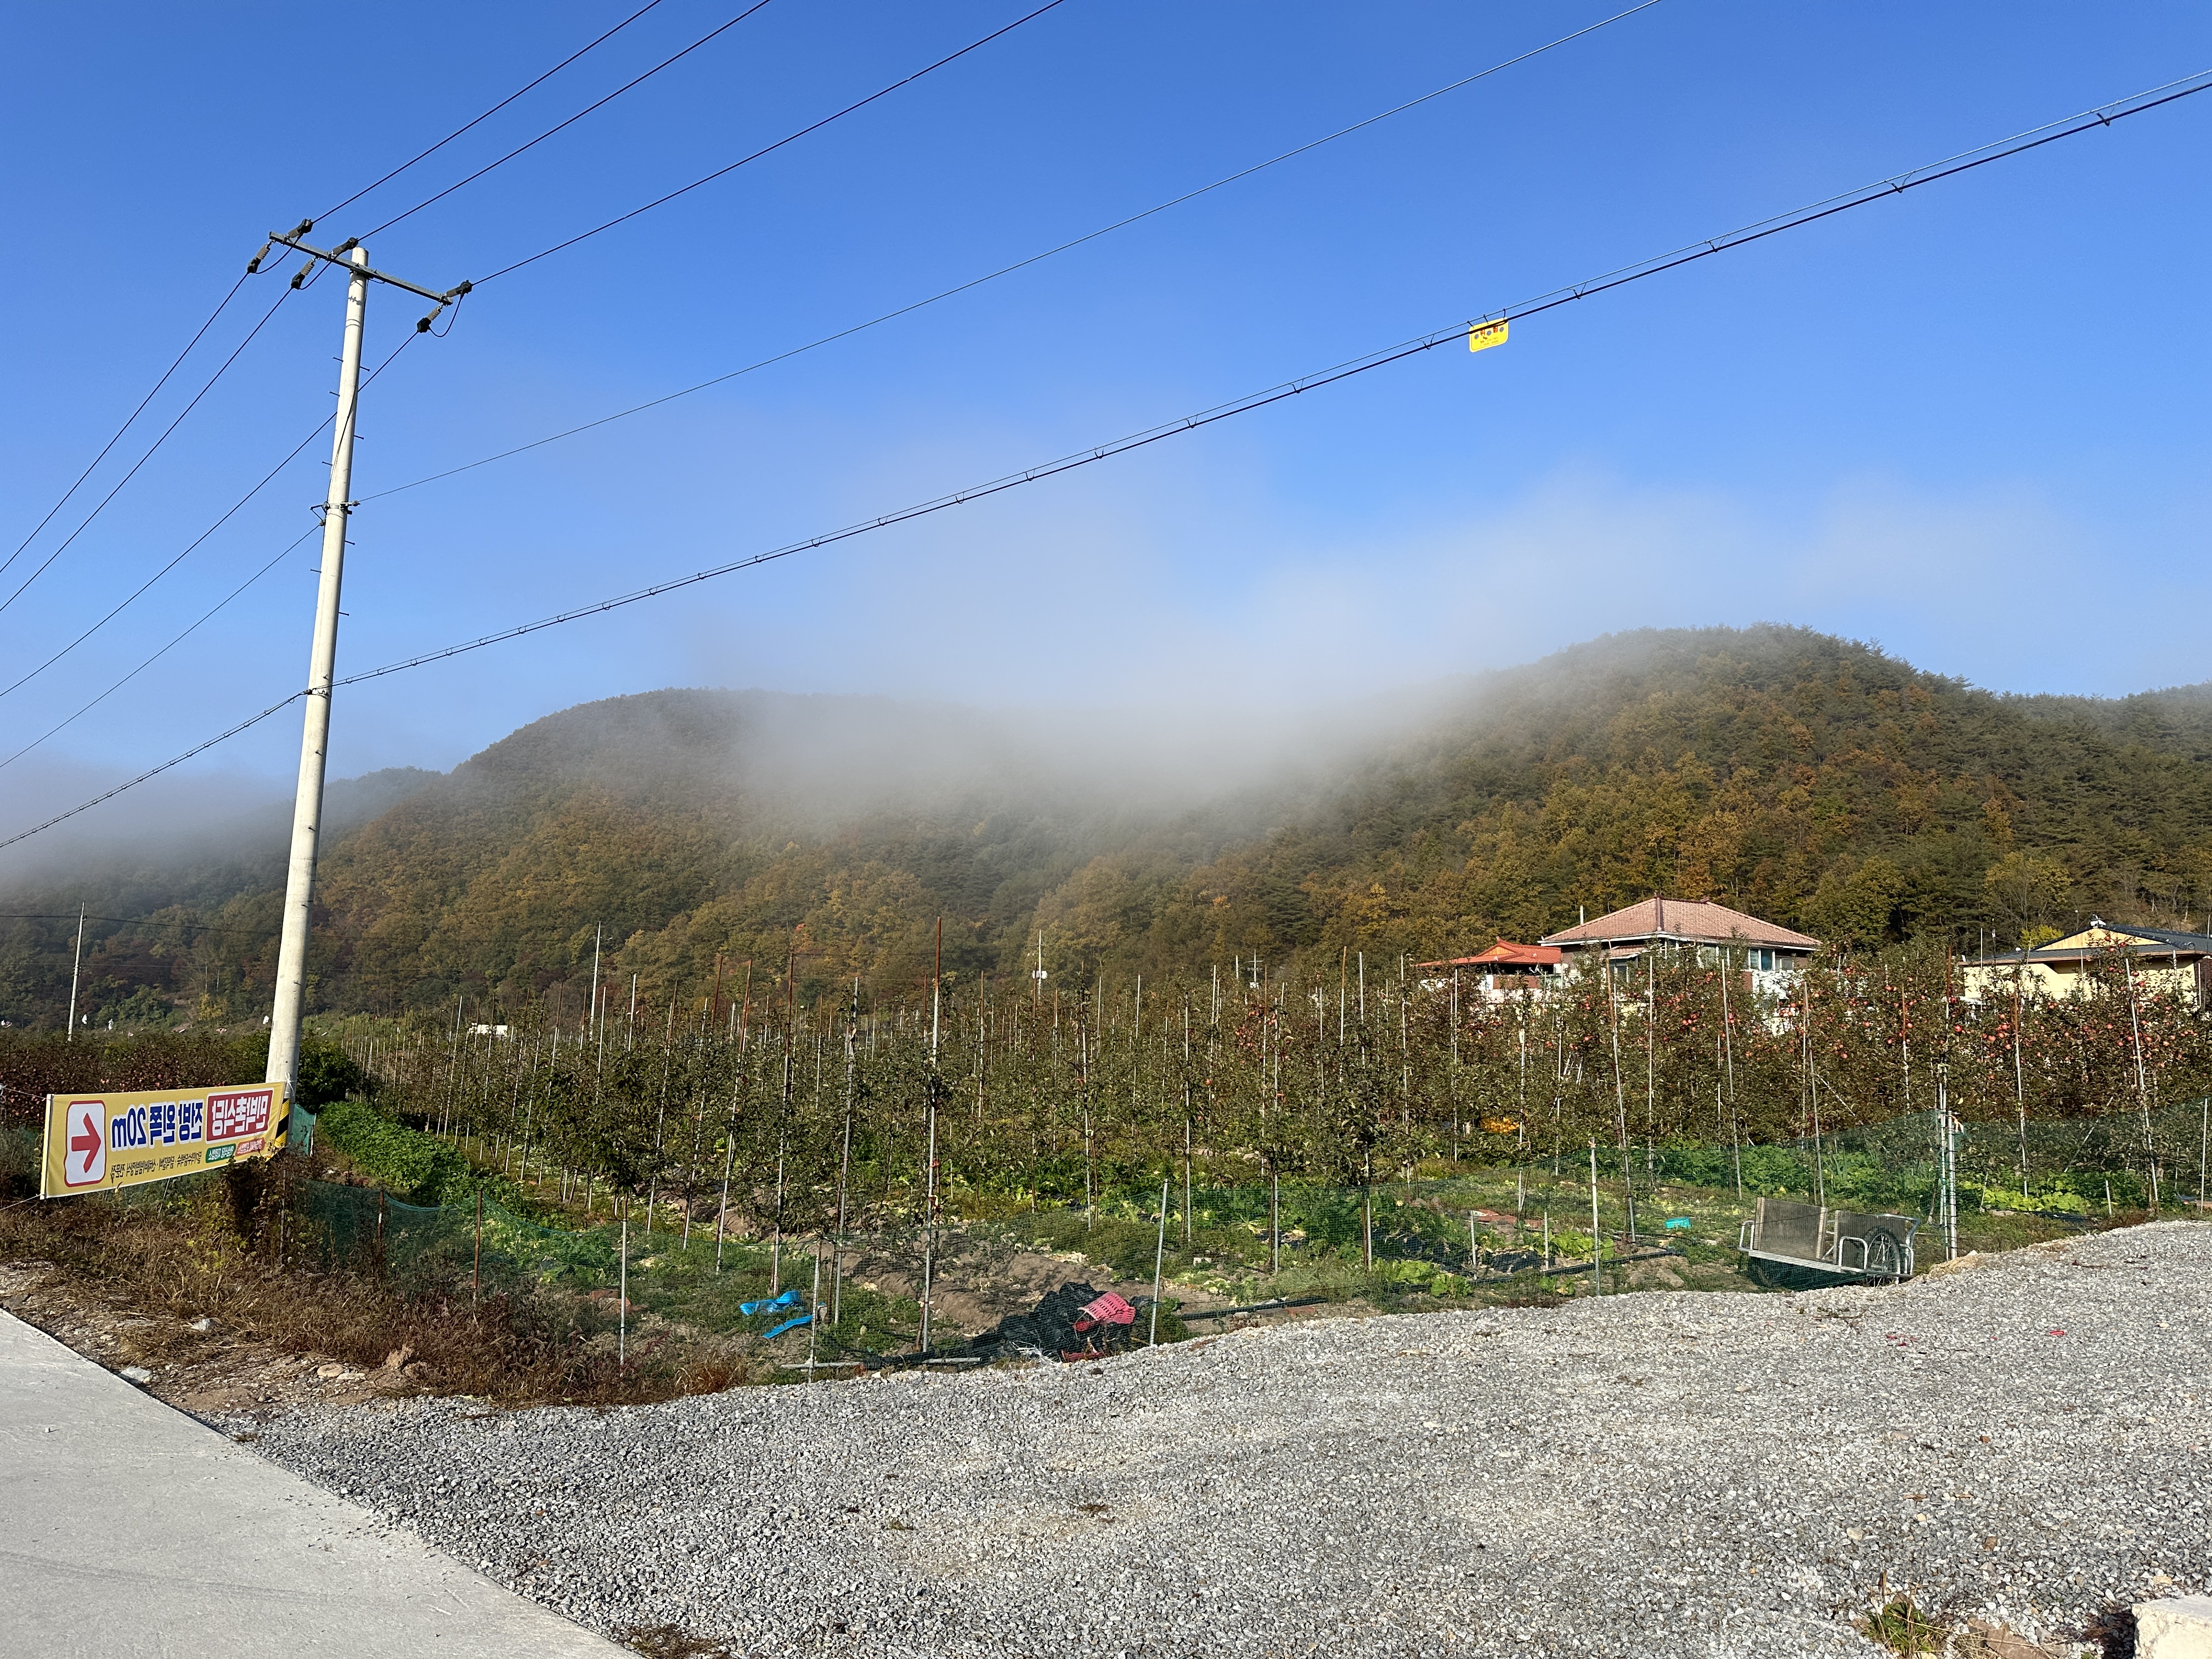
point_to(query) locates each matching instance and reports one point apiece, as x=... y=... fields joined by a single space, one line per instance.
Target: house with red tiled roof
x=1716 y=933
x=1505 y=970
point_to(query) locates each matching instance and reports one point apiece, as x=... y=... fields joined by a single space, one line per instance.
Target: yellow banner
x=96 y=1143
x=1482 y=336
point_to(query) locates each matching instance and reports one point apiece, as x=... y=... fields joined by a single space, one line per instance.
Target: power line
x=221 y=307
x=205 y=616
x=139 y=592
x=662 y=201
x=466 y=125
x=224 y=304
x=134 y=922
x=149 y=455
x=570 y=122
x=1019 y=265
x=26 y=678
x=1829 y=206
x=1883 y=190
x=155 y=771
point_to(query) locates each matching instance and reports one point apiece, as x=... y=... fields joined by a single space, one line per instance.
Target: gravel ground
x=2028 y=1439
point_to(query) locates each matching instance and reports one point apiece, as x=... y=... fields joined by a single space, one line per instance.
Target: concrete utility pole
x=935 y=1081
x=322 y=658
x=76 y=967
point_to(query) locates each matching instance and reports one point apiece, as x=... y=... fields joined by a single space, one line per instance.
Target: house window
x=1761 y=960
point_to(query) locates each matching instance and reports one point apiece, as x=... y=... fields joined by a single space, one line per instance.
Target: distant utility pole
x=935 y=1082
x=322 y=659
x=76 y=967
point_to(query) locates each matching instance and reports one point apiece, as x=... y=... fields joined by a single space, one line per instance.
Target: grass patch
x=680 y=1282
x=1905 y=1629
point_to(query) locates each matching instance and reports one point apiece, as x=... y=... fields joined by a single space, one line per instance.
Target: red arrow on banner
x=84 y=1136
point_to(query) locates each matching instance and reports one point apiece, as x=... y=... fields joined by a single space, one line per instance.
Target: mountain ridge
x=1814 y=779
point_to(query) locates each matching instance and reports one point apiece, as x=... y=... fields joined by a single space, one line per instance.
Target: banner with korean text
x=96 y=1143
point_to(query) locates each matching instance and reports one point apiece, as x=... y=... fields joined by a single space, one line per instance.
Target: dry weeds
x=176 y=1284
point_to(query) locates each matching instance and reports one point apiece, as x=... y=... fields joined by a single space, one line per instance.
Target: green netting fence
x=367 y=1229
x=1439 y=1234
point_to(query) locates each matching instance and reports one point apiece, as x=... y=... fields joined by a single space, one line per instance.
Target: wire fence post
x=1367 y=1218
x=729 y=1164
x=1275 y=1222
x=1159 y=1263
x=1186 y=1177
x=1597 y=1242
x=814 y=1311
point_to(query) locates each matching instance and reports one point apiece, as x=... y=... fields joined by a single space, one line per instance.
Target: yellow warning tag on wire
x=1483 y=335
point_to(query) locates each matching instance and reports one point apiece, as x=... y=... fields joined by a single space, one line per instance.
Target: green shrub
x=419 y=1168
x=1416 y=1273
x=2000 y=1198
x=20 y=1149
x=327 y=1072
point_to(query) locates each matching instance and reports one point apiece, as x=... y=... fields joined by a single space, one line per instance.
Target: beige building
x=1770 y=954
x=2161 y=960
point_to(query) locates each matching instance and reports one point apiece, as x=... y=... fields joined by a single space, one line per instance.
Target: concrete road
x=127 y=1528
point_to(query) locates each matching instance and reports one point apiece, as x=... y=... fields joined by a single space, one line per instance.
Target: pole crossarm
x=341 y=257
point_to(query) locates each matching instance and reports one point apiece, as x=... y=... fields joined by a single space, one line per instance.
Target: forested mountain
x=1807 y=779
x=198 y=908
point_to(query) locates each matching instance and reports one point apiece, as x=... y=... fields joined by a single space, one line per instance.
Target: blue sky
x=1968 y=423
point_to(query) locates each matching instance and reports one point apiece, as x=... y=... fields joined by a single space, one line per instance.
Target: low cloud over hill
x=1805 y=778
